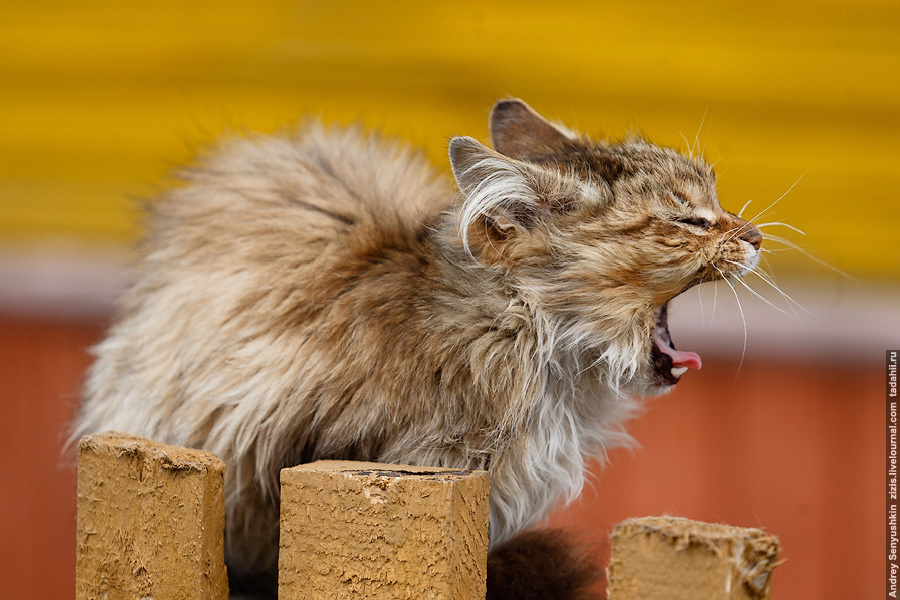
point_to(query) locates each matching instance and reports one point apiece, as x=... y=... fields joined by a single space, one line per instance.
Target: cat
x=324 y=294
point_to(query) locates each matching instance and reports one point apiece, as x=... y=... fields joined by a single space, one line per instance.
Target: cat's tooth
x=678 y=371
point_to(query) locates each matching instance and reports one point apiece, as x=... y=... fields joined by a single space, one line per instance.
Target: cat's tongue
x=690 y=360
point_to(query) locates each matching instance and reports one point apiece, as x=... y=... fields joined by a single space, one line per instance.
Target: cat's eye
x=700 y=222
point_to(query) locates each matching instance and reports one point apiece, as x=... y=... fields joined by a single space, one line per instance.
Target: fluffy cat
x=325 y=295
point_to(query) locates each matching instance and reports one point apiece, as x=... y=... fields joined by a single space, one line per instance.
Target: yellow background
x=100 y=100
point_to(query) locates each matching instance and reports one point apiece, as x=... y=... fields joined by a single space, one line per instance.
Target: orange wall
x=795 y=448
x=41 y=364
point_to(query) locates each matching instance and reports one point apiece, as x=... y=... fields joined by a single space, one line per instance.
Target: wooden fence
x=151 y=525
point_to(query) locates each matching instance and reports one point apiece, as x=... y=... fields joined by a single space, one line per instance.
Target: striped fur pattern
x=323 y=294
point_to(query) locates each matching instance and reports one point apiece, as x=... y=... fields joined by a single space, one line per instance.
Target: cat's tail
x=543 y=565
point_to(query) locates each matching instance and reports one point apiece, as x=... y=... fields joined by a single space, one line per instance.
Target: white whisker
x=773 y=223
x=768 y=269
x=737 y=230
x=817 y=260
x=777 y=238
x=763 y=298
x=767 y=272
x=697 y=137
x=758 y=295
x=771 y=283
x=715 y=303
x=760 y=213
x=744 y=207
x=687 y=144
x=743 y=319
x=700 y=299
x=729 y=231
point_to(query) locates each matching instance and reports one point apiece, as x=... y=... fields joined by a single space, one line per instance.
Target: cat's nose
x=753 y=237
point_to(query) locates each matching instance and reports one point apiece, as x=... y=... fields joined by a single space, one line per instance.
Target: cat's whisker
x=731 y=230
x=757 y=294
x=731 y=233
x=771 y=283
x=791 y=303
x=777 y=238
x=790 y=300
x=792 y=246
x=700 y=300
x=781 y=224
x=744 y=207
x=769 y=207
x=760 y=296
x=768 y=269
x=715 y=303
x=699 y=129
x=743 y=319
x=687 y=144
x=737 y=231
x=760 y=272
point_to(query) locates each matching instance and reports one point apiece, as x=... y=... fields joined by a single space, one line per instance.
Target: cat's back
x=242 y=263
x=271 y=215
x=298 y=193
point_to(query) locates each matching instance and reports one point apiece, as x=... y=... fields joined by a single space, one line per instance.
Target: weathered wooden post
x=369 y=530
x=151 y=521
x=668 y=558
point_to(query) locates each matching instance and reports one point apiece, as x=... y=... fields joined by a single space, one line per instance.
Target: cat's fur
x=324 y=295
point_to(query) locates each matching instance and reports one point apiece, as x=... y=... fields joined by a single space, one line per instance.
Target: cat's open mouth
x=669 y=364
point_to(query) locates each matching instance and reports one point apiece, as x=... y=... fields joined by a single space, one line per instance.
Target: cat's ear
x=473 y=164
x=498 y=189
x=518 y=131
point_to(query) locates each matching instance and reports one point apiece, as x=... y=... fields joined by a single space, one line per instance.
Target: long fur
x=323 y=295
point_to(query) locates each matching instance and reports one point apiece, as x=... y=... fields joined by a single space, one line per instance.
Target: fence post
x=151 y=521
x=370 y=530
x=668 y=558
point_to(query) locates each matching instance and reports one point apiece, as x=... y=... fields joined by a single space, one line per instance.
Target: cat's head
x=598 y=236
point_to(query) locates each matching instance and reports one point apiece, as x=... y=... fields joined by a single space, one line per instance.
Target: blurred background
x=797 y=104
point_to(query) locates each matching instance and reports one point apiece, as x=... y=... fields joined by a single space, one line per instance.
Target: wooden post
x=667 y=558
x=369 y=530
x=151 y=521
